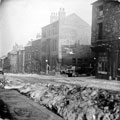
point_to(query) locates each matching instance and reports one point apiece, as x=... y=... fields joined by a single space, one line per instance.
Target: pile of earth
x=73 y=102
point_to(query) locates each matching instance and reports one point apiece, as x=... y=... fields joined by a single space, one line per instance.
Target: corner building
x=106 y=38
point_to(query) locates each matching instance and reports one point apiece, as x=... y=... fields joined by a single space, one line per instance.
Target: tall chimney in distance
x=53 y=17
x=62 y=14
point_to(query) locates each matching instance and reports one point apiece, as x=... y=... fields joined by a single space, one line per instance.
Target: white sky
x=21 y=20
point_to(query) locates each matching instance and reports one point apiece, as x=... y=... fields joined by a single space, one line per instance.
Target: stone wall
x=110 y=19
x=111 y=23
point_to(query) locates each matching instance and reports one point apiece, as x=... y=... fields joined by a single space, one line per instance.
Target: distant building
x=106 y=38
x=12 y=56
x=63 y=38
x=6 y=64
x=36 y=56
x=28 y=57
x=1 y=61
x=20 y=60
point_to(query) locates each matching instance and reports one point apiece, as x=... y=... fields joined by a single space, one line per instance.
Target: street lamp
x=46 y=60
x=46 y=66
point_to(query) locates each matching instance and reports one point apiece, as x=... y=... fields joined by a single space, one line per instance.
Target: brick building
x=106 y=38
x=63 y=38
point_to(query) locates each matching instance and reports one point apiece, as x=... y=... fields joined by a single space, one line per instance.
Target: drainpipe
x=117 y=53
x=110 y=68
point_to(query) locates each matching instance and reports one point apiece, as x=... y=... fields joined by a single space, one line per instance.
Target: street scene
x=60 y=60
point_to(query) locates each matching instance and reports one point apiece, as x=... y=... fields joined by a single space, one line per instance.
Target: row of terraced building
x=105 y=38
x=64 y=42
x=67 y=39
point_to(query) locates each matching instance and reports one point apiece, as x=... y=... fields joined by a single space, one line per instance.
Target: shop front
x=104 y=58
x=108 y=61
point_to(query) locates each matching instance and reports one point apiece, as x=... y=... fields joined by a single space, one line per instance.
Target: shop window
x=102 y=64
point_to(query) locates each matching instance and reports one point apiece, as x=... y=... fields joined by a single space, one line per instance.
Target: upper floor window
x=53 y=44
x=100 y=30
x=74 y=61
x=44 y=34
x=78 y=60
x=100 y=10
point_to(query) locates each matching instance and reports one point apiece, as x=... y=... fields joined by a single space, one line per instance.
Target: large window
x=102 y=63
x=100 y=30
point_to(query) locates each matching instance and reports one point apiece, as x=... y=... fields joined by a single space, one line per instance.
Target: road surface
x=63 y=99
x=83 y=81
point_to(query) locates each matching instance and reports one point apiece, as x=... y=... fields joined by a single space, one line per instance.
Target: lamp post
x=46 y=66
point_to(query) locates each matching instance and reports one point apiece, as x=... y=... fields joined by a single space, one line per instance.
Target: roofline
x=65 y=18
x=50 y=24
x=95 y=2
x=39 y=39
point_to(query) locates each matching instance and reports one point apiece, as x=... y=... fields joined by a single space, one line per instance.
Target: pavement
x=15 y=106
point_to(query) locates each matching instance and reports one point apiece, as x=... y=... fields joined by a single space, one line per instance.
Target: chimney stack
x=62 y=14
x=53 y=17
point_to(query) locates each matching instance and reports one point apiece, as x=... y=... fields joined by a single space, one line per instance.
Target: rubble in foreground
x=73 y=102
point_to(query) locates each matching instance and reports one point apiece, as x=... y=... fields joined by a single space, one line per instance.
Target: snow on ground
x=72 y=102
x=84 y=81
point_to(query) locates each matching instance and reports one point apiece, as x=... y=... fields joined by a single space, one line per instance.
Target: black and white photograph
x=59 y=59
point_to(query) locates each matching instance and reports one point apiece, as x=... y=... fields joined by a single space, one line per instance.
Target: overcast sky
x=21 y=20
